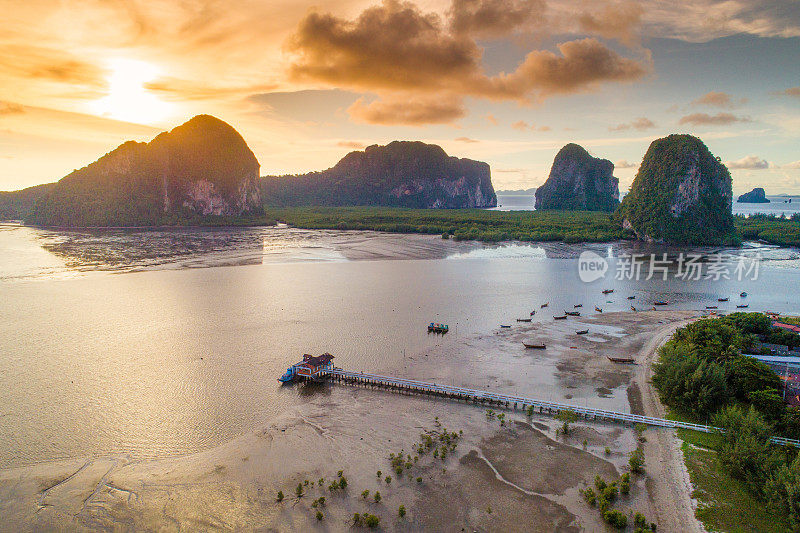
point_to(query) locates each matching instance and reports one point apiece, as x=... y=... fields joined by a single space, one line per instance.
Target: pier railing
x=523 y=402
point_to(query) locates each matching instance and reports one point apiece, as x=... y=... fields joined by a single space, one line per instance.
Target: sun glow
x=128 y=98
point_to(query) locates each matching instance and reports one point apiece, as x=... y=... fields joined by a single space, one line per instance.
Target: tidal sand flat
x=501 y=473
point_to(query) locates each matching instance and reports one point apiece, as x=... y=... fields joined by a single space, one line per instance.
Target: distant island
x=682 y=194
x=756 y=196
x=578 y=181
x=400 y=174
x=511 y=192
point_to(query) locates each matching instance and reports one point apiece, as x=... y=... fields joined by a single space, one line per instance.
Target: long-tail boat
x=534 y=346
x=620 y=360
x=572 y=313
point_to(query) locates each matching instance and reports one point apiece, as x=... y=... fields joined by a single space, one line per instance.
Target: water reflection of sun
x=128 y=98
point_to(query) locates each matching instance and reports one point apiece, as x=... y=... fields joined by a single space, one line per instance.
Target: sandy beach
x=518 y=476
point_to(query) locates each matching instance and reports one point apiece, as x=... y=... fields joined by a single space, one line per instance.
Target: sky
x=508 y=82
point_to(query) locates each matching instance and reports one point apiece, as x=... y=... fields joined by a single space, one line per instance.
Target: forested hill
x=682 y=194
x=400 y=174
x=198 y=171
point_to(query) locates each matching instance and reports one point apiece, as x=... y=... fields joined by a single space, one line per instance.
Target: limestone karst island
x=401 y=266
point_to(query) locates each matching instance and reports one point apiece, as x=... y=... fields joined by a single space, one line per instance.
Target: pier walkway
x=519 y=402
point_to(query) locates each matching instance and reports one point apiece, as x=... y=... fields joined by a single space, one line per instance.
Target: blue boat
x=288 y=376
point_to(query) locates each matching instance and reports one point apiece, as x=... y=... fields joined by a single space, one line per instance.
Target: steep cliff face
x=682 y=194
x=199 y=169
x=401 y=174
x=579 y=181
x=756 y=196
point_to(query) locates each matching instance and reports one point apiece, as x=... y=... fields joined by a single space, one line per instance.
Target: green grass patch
x=494 y=226
x=460 y=224
x=724 y=504
x=701 y=439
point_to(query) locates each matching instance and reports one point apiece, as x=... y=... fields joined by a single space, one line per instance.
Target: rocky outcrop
x=682 y=194
x=401 y=174
x=756 y=196
x=579 y=181
x=202 y=168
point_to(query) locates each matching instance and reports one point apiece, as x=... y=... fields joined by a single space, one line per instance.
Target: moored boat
x=560 y=317
x=711 y=307
x=608 y=291
x=722 y=299
x=524 y=319
x=545 y=305
x=504 y=326
x=287 y=376
x=438 y=328
x=660 y=302
x=743 y=306
x=598 y=309
x=534 y=346
x=620 y=360
x=633 y=309
x=577 y=306
x=631 y=297
x=582 y=332
x=743 y=295
x=572 y=313
x=533 y=312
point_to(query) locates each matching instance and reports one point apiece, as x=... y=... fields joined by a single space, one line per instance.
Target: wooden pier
x=518 y=402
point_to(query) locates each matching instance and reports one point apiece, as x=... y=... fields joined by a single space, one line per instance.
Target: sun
x=128 y=98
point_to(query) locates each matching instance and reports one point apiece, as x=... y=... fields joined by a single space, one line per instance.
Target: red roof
x=790 y=327
x=321 y=360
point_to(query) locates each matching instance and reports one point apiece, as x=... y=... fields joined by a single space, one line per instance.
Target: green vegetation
x=280 y=496
x=461 y=224
x=369 y=520
x=567 y=416
x=702 y=374
x=649 y=206
x=725 y=503
x=604 y=494
x=636 y=461
x=495 y=226
x=770 y=228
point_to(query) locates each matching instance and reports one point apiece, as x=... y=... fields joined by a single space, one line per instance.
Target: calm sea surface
x=779 y=205
x=163 y=343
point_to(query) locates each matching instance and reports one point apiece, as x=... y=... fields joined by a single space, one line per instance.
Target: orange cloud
x=641 y=124
x=718 y=99
x=353 y=145
x=394 y=47
x=9 y=108
x=704 y=119
x=408 y=111
x=619 y=21
x=495 y=18
x=792 y=91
